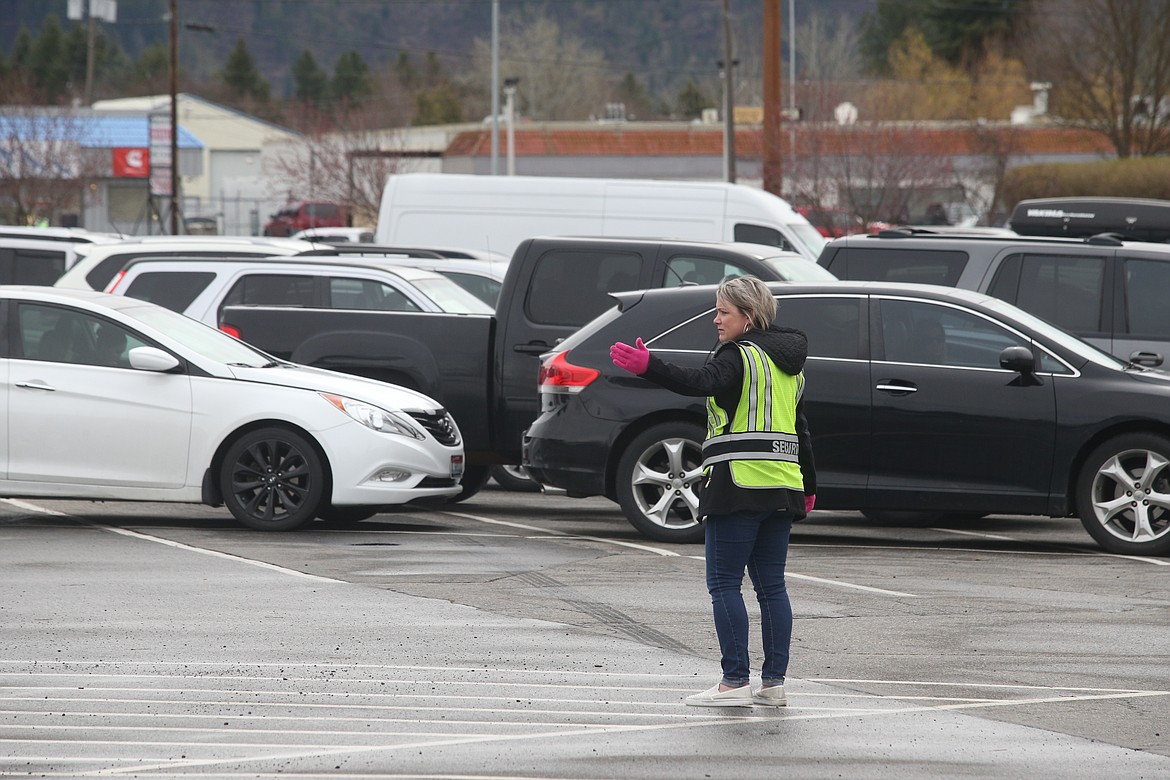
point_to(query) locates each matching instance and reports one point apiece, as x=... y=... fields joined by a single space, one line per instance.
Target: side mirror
x=1147 y=359
x=152 y=359
x=1018 y=359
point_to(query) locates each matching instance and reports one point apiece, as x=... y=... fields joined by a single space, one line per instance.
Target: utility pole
x=773 y=178
x=495 y=87
x=728 y=97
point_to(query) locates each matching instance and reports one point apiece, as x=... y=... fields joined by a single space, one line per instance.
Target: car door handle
x=535 y=348
x=897 y=388
x=36 y=384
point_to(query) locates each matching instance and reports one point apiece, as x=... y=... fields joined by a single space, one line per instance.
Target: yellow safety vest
x=760 y=443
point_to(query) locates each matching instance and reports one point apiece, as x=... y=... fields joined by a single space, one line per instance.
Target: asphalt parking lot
x=538 y=636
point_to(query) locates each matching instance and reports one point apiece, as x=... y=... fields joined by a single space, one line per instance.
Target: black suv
x=1004 y=414
x=1108 y=291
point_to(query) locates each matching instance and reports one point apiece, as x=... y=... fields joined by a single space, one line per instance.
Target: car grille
x=440 y=425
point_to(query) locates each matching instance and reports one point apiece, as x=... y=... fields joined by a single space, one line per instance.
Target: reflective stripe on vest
x=760 y=442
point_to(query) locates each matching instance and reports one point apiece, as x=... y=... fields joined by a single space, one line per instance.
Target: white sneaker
x=772 y=696
x=713 y=697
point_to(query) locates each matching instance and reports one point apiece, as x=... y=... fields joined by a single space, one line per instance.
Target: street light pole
x=728 y=97
x=174 y=117
x=495 y=87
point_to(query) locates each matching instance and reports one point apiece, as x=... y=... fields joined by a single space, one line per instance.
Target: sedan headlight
x=373 y=417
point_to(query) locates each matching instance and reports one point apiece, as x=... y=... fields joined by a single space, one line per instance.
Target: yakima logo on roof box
x=1132 y=219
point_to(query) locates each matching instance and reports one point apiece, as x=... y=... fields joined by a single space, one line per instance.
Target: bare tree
x=1110 y=69
x=340 y=158
x=44 y=166
x=560 y=76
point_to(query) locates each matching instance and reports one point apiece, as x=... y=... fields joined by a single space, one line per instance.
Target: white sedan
x=114 y=398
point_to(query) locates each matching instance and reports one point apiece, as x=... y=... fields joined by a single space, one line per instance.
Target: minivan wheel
x=657 y=477
x=272 y=479
x=1123 y=494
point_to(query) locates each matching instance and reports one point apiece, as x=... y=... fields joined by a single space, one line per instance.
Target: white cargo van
x=498 y=212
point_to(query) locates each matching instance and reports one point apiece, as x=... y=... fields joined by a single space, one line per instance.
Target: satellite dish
x=845 y=113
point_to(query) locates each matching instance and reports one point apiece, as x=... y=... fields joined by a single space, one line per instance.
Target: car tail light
x=231 y=330
x=117 y=280
x=558 y=375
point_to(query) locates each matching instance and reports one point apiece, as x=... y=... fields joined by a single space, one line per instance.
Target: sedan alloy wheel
x=272 y=479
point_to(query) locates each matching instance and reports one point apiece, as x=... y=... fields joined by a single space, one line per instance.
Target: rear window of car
x=923 y=266
x=173 y=290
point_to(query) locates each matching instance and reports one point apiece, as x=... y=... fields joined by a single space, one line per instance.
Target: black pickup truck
x=482 y=368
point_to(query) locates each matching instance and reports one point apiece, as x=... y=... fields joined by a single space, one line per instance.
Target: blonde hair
x=752 y=297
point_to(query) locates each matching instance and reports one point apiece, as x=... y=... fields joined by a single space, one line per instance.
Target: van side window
x=1146 y=312
x=758 y=234
x=175 y=291
x=1066 y=291
x=683 y=269
x=589 y=278
x=925 y=266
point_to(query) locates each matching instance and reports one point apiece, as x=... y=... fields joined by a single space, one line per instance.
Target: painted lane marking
x=542 y=532
x=177 y=545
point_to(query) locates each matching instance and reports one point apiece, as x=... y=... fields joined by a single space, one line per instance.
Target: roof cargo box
x=1132 y=218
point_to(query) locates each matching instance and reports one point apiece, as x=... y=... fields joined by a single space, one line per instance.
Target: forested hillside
x=656 y=46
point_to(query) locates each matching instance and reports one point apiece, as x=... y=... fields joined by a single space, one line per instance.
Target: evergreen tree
x=241 y=75
x=154 y=64
x=351 y=79
x=311 y=84
x=48 y=61
x=404 y=69
x=692 y=101
x=438 y=105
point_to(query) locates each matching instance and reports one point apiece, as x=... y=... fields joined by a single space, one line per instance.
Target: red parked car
x=300 y=215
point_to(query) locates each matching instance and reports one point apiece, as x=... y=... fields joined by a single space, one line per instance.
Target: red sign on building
x=131 y=162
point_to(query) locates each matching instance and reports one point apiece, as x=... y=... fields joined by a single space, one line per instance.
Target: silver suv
x=201 y=287
x=1108 y=291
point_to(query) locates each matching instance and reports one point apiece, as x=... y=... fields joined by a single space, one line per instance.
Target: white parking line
x=1097 y=553
x=671 y=553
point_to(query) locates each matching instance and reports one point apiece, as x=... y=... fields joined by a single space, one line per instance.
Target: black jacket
x=722 y=377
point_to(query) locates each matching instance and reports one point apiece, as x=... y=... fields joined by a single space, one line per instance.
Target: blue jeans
x=757 y=542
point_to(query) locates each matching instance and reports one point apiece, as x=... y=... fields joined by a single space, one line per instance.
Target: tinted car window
x=831 y=324
x=1064 y=290
x=925 y=266
x=272 y=290
x=31 y=266
x=682 y=269
x=487 y=290
x=590 y=277
x=759 y=234
x=368 y=295
x=1146 y=312
x=59 y=335
x=925 y=333
x=172 y=290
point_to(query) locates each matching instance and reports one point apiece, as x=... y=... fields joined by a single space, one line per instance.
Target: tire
x=474 y=478
x=515 y=478
x=272 y=479
x=1123 y=494
x=348 y=514
x=656 y=479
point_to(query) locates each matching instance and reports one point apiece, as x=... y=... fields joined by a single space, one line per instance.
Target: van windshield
x=808 y=235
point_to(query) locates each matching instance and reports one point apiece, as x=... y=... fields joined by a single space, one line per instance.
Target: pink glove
x=634 y=359
x=809 y=502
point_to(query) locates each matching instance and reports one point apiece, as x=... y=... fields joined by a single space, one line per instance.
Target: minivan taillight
x=231 y=330
x=558 y=375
